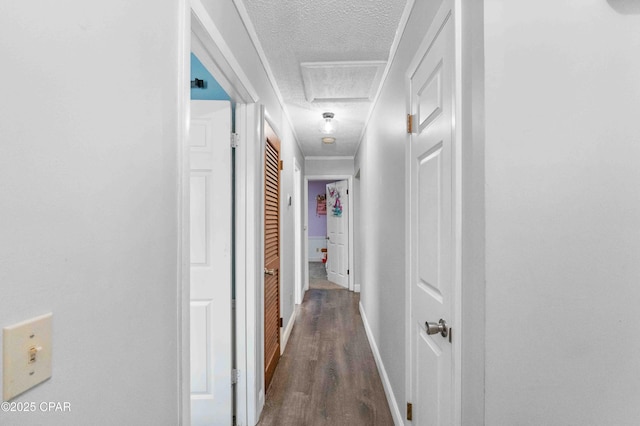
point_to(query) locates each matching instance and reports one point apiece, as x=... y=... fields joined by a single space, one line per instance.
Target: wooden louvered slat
x=271 y=253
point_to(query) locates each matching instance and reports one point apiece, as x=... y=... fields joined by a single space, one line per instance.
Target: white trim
x=356 y=288
x=402 y=26
x=184 y=248
x=446 y=11
x=457 y=221
x=284 y=339
x=249 y=350
x=349 y=179
x=217 y=57
x=297 y=233
x=388 y=390
x=321 y=157
x=245 y=342
x=211 y=37
x=259 y=150
x=253 y=35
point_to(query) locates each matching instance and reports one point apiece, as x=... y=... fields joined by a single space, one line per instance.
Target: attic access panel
x=341 y=81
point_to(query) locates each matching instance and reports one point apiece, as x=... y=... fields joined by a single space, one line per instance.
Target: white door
x=338 y=233
x=210 y=157
x=431 y=233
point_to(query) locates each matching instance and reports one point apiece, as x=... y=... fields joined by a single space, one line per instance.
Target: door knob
x=269 y=271
x=439 y=327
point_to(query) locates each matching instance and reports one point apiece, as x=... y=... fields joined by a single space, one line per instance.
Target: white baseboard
x=391 y=399
x=287 y=331
x=356 y=288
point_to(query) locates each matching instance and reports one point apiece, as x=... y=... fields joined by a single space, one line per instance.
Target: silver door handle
x=269 y=271
x=439 y=327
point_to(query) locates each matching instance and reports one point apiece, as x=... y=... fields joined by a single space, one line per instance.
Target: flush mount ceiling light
x=328 y=140
x=328 y=125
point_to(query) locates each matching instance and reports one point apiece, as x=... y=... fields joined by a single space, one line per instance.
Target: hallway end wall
x=315 y=166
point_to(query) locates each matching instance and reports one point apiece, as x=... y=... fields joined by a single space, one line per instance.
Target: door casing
x=469 y=282
x=201 y=36
x=349 y=179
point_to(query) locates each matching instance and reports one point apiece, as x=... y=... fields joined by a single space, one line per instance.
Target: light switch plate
x=27 y=348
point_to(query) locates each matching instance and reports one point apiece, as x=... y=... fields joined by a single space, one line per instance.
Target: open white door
x=210 y=212
x=338 y=233
x=432 y=206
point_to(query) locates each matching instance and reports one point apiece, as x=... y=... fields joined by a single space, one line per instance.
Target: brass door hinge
x=281 y=165
x=281 y=323
x=409 y=411
x=409 y=123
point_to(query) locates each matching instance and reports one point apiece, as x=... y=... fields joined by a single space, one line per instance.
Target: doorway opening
x=328 y=255
x=213 y=196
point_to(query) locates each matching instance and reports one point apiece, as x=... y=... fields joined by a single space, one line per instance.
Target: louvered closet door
x=271 y=254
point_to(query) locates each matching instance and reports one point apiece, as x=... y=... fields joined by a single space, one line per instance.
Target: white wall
x=323 y=166
x=287 y=255
x=381 y=161
x=562 y=212
x=89 y=229
x=316 y=244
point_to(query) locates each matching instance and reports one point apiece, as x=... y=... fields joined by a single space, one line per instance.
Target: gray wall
x=326 y=167
x=381 y=161
x=89 y=231
x=289 y=150
x=562 y=212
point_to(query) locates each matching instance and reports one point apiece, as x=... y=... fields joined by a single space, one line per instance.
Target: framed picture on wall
x=321 y=205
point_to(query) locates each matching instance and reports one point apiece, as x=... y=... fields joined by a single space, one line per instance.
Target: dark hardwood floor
x=327 y=374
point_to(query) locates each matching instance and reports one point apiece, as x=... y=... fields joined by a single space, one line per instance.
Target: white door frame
x=200 y=35
x=469 y=280
x=349 y=179
x=297 y=234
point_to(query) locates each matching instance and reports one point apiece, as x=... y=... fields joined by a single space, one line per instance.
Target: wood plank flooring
x=327 y=374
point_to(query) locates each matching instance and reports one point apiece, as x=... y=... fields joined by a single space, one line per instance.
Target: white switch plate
x=19 y=373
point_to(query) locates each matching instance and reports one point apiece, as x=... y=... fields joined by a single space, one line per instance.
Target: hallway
x=327 y=374
x=492 y=154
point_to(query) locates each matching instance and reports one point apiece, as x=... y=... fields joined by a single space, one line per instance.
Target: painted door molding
x=433 y=266
x=201 y=34
x=297 y=202
x=249 y=264
x=305 y=214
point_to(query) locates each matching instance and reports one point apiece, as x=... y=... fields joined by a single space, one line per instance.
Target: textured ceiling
x=326 y=56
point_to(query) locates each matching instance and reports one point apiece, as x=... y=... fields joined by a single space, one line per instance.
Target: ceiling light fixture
x=328 y=126
x=328 y=140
